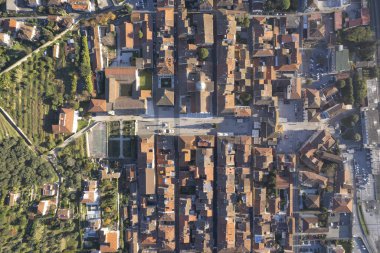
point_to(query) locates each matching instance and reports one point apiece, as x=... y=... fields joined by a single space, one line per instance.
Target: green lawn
x=6 y=130
x=145 y=79
x=82 y=124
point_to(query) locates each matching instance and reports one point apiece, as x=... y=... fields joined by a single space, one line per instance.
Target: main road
x=357 y=228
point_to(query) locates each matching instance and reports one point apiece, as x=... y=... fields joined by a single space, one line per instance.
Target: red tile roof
x=98 y=105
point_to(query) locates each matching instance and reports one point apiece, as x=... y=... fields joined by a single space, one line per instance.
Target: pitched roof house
x=97 y=105
x=109 y=240
x=67 y=122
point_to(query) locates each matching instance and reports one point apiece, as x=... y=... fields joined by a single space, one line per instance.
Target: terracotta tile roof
x=342 y=204
x=127 y=35
x=263 y=53
x=80 y=5
x=43 y=207
x=64 y=214
x=312 y=201
x=313 y=98
x=148 y=183
x=120 y=71
x=166 y=99
x=13 y=24
x=205 y=30
x=97 y=48
x=109 y=241
x=242 y=111
x=288 y=68
x=338 y=20
x=312 y=179
x=27 y=32
x=263 y=151
x=282 y=182
x=98 y=105
x=65 y=122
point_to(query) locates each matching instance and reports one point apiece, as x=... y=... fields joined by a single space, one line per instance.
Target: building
x=27 y=32
x=67 y=122
x=56 y=51
x=80 y=5
x=123 y=91
x=109 y=240
x=5 y=39
x=49 y=190
x=13 y=198
x=64 y=214
x=97 y=106
x=319 y=141
x=43 y=207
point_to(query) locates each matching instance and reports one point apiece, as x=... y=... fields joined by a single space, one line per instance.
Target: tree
x=285 y=4
x=357 y=137
x=89 y=84
x=341 y=84
x=141 y=34
x=85 y=68
x=355 y=118
x=203 y=53
x=243 y=21
x=128 y=9
x=360 y=90
x=358 y=34
x=18 y=75
x=246 y=22
x=74 y=83
x=5 y=81
x=48 y=35
x=348 y=92
x=19 y=166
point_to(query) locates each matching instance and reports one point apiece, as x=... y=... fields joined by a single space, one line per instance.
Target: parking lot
x=359 y=246
x=363 y=176
x=315 y=62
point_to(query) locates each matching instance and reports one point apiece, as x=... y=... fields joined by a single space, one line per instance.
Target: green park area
x=145 y=79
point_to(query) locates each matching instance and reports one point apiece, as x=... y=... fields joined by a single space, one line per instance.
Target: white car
x=169 y=131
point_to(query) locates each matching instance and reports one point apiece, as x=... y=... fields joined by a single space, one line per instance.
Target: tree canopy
x=360 y=40
x=348 y=92
x=285 y=4
x=360 y=90
x=85 y=68
x=203 y=53
x=20 y=167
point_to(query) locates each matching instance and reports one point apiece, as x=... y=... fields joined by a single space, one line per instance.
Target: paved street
x=357 y=230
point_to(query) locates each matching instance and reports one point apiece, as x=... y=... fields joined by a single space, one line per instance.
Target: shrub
x=203 y=53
